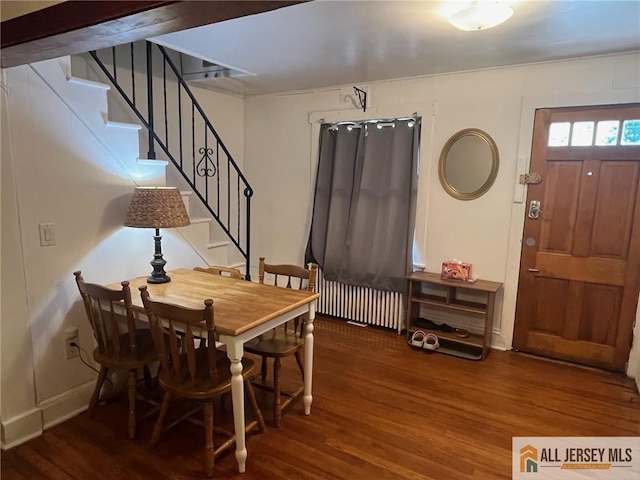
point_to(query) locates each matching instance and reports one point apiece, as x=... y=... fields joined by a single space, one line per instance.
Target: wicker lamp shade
x=156 y=207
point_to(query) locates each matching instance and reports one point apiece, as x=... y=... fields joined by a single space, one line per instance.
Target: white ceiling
x=330 y=42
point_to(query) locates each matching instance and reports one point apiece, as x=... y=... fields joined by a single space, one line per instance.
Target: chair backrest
x=175 y=331
x=104 y=308
x=224 y=271
x=289 y=276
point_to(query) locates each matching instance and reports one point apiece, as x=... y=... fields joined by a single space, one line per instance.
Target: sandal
x=417 y=339
x=431 y=342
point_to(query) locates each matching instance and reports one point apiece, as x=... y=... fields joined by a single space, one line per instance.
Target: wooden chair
x=121 y=346
x=192 y=368
x=224 y=271
x=283 y=341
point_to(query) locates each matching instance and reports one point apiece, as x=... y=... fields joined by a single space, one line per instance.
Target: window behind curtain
x=364 y=204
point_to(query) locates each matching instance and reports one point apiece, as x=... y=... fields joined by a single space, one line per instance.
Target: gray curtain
x=364 y=204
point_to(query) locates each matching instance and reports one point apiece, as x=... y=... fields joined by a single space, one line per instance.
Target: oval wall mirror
x=468 y=164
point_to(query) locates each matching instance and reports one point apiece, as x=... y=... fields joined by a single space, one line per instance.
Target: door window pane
x=630 y=132
x=559 y=134
x=607 y=132
x=582 y=135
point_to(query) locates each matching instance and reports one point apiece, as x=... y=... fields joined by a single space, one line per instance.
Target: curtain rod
x=380 y=122
x=415 y=116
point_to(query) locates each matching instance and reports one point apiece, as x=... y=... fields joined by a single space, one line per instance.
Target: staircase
x=218 y=233
x=198 y=234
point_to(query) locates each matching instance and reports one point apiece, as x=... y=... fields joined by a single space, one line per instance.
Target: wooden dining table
x=242 y=311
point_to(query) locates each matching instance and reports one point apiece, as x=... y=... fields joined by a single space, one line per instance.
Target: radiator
x=361 y=304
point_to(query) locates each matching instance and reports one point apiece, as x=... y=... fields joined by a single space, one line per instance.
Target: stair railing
x=176 y=123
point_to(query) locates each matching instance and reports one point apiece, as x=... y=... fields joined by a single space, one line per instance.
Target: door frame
x=518 y=210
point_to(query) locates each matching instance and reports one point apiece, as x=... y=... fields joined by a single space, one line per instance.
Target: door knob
x=534 y=209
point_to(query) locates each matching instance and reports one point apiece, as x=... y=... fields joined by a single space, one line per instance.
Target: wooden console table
x=429 y=291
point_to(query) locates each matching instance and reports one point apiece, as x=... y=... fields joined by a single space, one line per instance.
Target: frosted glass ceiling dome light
x=481 y=15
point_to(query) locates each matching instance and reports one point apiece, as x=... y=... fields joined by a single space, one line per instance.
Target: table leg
x=308 y=359
x=235 y=352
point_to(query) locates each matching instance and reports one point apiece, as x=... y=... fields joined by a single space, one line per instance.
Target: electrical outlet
x=70 y=337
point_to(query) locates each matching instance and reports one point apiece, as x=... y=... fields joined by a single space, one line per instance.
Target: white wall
x=281 y=150
x=16 y=366
x=54 y=169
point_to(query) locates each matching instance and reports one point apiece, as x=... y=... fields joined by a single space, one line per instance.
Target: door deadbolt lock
x=534 y=209
x=530 y=178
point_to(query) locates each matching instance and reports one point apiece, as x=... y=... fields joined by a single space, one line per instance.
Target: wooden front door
x=580 y=260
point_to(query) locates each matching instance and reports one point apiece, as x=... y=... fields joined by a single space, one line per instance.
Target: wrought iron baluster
x=180 y=121
x=193 y=143
x=152 y=153
x=133 y=75
x=218 y=177
x=113 y=59
x=164 y=95
x=228 y=195
x=248 y=193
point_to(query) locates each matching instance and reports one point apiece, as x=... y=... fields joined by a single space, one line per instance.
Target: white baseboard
x=63 y=407
x=31 y=424
x=22 y=428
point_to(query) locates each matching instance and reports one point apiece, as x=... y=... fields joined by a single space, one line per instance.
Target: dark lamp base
x=159 y=279
x=158 y=275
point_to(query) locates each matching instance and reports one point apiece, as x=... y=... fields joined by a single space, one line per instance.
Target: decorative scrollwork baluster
x=206 y=167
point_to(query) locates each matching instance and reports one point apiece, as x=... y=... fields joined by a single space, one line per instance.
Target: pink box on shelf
x=457 y=271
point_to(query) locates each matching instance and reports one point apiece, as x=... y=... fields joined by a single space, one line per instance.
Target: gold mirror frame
x=493 y=172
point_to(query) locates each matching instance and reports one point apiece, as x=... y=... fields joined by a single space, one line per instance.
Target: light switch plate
x=47 y=234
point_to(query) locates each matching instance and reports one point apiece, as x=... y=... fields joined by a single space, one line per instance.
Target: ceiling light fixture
x=480 y=15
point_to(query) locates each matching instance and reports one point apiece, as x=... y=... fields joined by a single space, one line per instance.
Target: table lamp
x=157 y=207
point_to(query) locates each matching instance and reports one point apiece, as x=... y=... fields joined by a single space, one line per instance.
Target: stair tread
x=153 y=162
x=88 y=83
x=201 y=220
x=222 y=243
x=132 y=126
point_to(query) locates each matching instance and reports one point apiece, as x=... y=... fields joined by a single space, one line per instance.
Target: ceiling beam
x=73 y=27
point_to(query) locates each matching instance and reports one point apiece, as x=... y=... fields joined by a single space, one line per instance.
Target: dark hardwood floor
x=381 y=410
